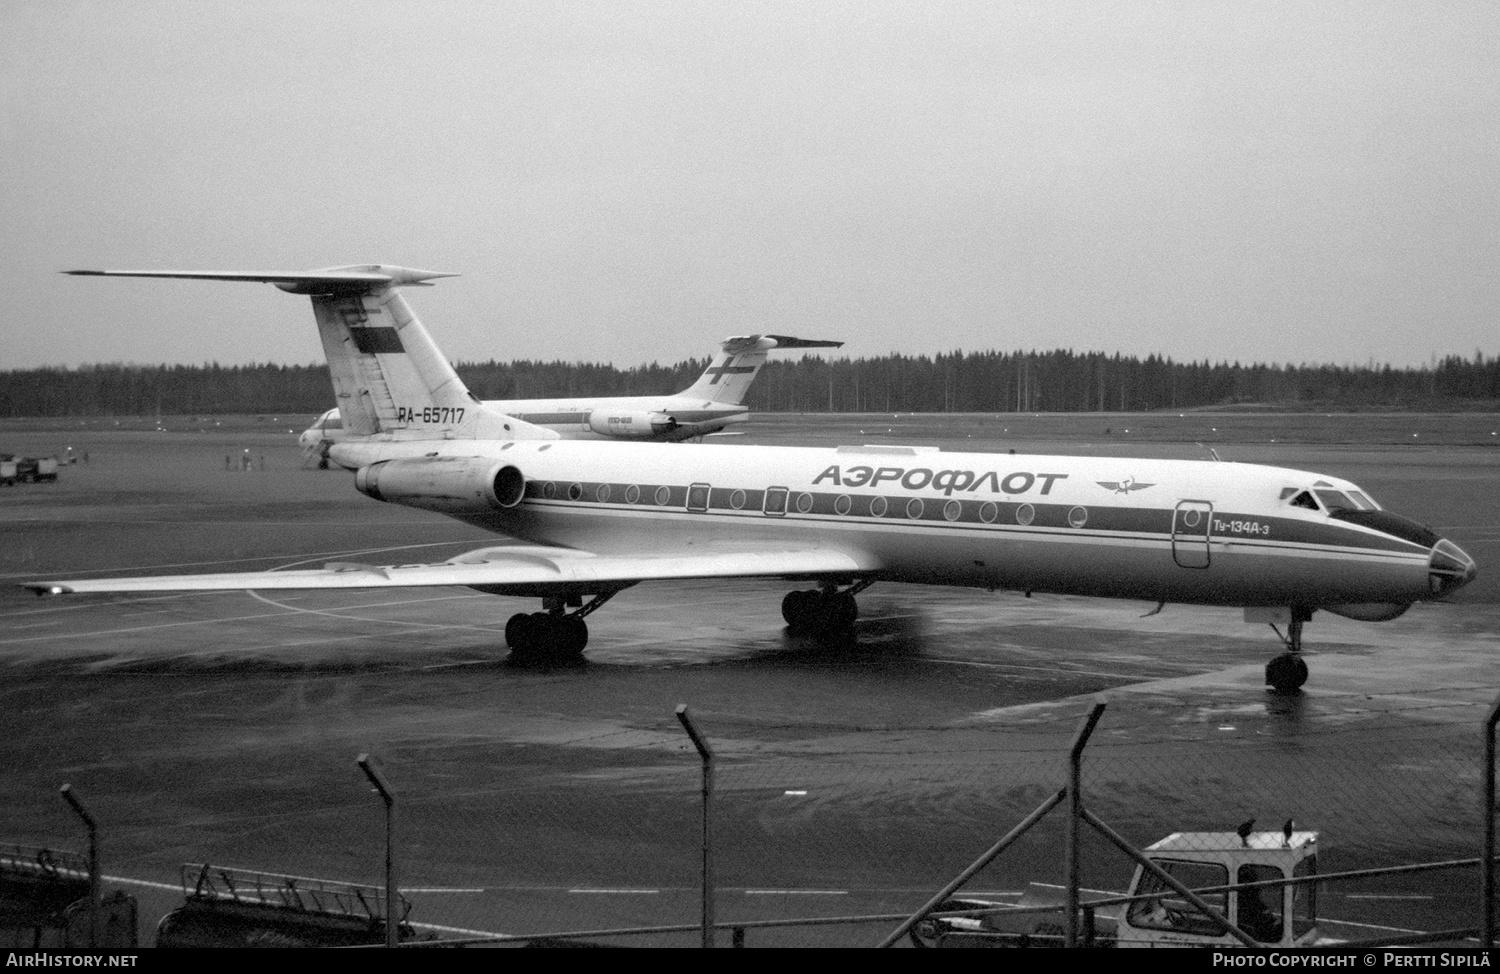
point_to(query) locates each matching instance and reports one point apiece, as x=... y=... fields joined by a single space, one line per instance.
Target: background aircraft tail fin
x=729 y=374
x=388 y=374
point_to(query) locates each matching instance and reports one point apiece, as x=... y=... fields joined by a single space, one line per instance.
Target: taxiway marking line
x=460 y=930
x=1386 y=896
x=340 y=613
x=440 y=889
x=796 y=892
x=1370 y=926
x=177 y=887
x=1061 y=671
x=117 y=632
x=73 y=605
x=174 y=887
x=611 y=892
x=260 y=616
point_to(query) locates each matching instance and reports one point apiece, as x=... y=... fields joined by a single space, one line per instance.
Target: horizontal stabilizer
x=739 y=344
x=330 y=280
x=786 y=341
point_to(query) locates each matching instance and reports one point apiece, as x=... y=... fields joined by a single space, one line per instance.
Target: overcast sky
x=621 y=182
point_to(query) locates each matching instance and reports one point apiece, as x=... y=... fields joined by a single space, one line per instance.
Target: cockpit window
x=1335 y=500
x=1302 y=498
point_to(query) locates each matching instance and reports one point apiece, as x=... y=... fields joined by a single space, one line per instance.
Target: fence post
x=93 y=828
x=706 y=754
x=392 y=895
x=1075 y=813
x=974 y=867
x=1487 y=820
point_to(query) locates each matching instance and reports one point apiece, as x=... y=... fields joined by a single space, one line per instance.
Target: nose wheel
x=1287 y=672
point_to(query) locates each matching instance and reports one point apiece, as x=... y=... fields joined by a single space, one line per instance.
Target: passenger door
x=1190 y=533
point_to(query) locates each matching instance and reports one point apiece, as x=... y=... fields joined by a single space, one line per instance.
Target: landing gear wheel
x=573 y=635
x=518 y=631
x=542 y=637
x=822 y=614
x=800 y=609
x=841 y=611
x=1286 y=673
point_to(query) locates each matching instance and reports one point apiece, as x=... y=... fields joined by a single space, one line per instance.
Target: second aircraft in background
x=715 y=401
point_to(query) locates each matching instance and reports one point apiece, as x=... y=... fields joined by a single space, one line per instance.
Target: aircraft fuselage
x=1160 y=530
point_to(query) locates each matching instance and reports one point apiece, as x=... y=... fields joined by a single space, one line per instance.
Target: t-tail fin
x=729 y=374
x=388 y=374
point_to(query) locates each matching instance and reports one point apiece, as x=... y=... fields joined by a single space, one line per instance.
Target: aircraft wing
x=507 y=570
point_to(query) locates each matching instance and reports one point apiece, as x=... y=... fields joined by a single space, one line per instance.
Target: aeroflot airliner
x=600 y=517
x=715 y=401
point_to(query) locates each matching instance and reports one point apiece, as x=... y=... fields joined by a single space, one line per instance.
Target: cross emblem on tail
x=728 y=368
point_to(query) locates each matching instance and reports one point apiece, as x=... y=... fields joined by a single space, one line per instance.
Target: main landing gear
x=822 y=612
x=553 y=635
x=1288 y=671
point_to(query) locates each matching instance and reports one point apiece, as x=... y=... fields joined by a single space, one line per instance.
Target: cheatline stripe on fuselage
x=1099 y=522
x=1010 y=532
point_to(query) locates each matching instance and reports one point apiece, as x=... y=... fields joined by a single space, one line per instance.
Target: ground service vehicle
x=33 y=470
x=1218 y=866
x=44 y=903
x=238 y=908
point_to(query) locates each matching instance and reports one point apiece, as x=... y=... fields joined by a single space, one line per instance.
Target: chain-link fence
x=601 y=831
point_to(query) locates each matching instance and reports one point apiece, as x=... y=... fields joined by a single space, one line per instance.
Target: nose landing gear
x=1288 y=672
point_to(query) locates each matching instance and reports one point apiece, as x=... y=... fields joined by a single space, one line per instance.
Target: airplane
x=596 y=518
x=715 y=401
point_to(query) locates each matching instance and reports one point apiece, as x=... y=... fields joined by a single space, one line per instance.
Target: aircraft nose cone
x=1449 y=568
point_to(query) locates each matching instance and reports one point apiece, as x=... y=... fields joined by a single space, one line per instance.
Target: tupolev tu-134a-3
x=599 y=517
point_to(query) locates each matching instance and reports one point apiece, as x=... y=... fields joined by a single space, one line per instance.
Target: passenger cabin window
x=697 y=497
x=775 y=501
x=1166 y=909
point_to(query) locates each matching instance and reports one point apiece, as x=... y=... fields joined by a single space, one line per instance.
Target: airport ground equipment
x=44 y=902
x=34 y=470
x=1243 y=879
x=238 y=908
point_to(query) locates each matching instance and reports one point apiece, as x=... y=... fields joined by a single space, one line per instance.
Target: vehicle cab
x=1219 y=864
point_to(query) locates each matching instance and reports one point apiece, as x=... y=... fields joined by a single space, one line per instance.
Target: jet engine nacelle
x=447 y=484
x=611 y=422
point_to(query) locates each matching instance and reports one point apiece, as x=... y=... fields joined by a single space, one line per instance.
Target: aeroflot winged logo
x=1123 y=486
x=947 y=481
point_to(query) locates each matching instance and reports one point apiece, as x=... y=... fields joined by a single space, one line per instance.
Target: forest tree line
x=989 y=382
